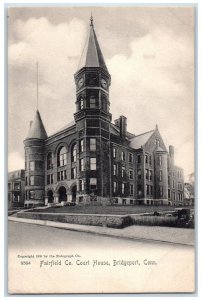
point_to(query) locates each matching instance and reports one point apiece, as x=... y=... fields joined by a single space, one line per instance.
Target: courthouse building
x=94 y=161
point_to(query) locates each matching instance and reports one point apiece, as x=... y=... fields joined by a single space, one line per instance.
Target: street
x=94 y=263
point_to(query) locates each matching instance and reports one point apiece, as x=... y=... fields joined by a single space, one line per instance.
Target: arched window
x=62 y=157
x=50 y=161
x=74 y=151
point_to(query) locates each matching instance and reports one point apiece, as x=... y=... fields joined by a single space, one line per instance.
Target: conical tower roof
x=92 y=56
x=37 y=130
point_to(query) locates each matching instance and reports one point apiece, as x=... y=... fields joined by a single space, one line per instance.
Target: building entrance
x=62 y=194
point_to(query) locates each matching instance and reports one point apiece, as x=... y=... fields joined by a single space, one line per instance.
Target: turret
x=92 y=119
x=34 y=163
x=161 y=175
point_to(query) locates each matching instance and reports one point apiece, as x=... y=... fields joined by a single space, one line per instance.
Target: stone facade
x=94 y=161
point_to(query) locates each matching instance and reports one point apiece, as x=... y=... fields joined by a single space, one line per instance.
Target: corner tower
x=34 y=163
x=92 y=119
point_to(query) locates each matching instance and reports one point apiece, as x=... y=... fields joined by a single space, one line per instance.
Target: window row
x=123 y=188
x=123 y=171
x=147 y=158
x=149 y=190
x=93 y=102
x=62 y=154
x=123 y=155
x=35 y=165
x=92 y=186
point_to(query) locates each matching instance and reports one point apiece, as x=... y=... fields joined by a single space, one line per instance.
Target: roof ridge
x=144 y=133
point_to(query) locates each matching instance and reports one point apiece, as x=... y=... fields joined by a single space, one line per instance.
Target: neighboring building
x=189 y=194
x=16 y=189
x=92 y=160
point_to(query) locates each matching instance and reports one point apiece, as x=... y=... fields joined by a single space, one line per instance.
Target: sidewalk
x=150 y=233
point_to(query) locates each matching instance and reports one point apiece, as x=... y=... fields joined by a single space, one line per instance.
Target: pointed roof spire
x=91 y=20
x=37 y=130
x=92 y=55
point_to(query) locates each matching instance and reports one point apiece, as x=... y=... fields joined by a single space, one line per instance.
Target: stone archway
x=62 y=194
x=50 y=196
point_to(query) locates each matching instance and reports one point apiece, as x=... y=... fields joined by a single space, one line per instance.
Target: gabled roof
x=141 y=139
x=37 y=130
x=92 y=56
x=159 y=149
x=68 y=125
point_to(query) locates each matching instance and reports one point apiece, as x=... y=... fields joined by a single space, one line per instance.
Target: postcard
x=101 y=149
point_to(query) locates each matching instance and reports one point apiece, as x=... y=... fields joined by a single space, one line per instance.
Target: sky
x=149 y=52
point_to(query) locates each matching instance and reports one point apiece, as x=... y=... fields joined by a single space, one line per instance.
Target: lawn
x=108 y=210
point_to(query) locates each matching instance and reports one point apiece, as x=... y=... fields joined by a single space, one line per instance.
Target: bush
x=154 y=220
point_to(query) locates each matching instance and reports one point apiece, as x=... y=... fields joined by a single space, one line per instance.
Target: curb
x=71 y=227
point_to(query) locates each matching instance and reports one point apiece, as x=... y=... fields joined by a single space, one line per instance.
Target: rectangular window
x=160 y=175
x=31 y=194
x=31 y=180
x=51 y=179
x=92 y=101
x=81 y=145
x=173 y=184
x=139 y=189
x=92 y=144
x=150 y=175
x=173 y=196
x=161 y=191
x=123 y=155
x=114 y=152
x=81 y=164
x=131 y=189
x=146 y=159
x=147 y=174
x=73 y=173
x=160 y=160
x=168 y=193
x=93 y=183
x=115 y=186
x=130 y=158
x=39 y=165
x=168 y=179
x=81 y=185
x=123 y=169
x=139 y=158
x=48 y=179
x=32 y=165
x=150 y=160
x=139 y=174
x=151 y=190
x=93 y=165
x=147 y=189
x=123 y=188
x=131 y=174
x=114 y=170
x=81 y=103
x=58 y=176
x=180 y=186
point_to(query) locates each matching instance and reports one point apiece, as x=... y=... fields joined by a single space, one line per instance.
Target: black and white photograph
x=101 y=177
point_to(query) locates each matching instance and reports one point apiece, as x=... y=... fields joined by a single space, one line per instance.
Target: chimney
x=121 y=122
x=123 y=126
